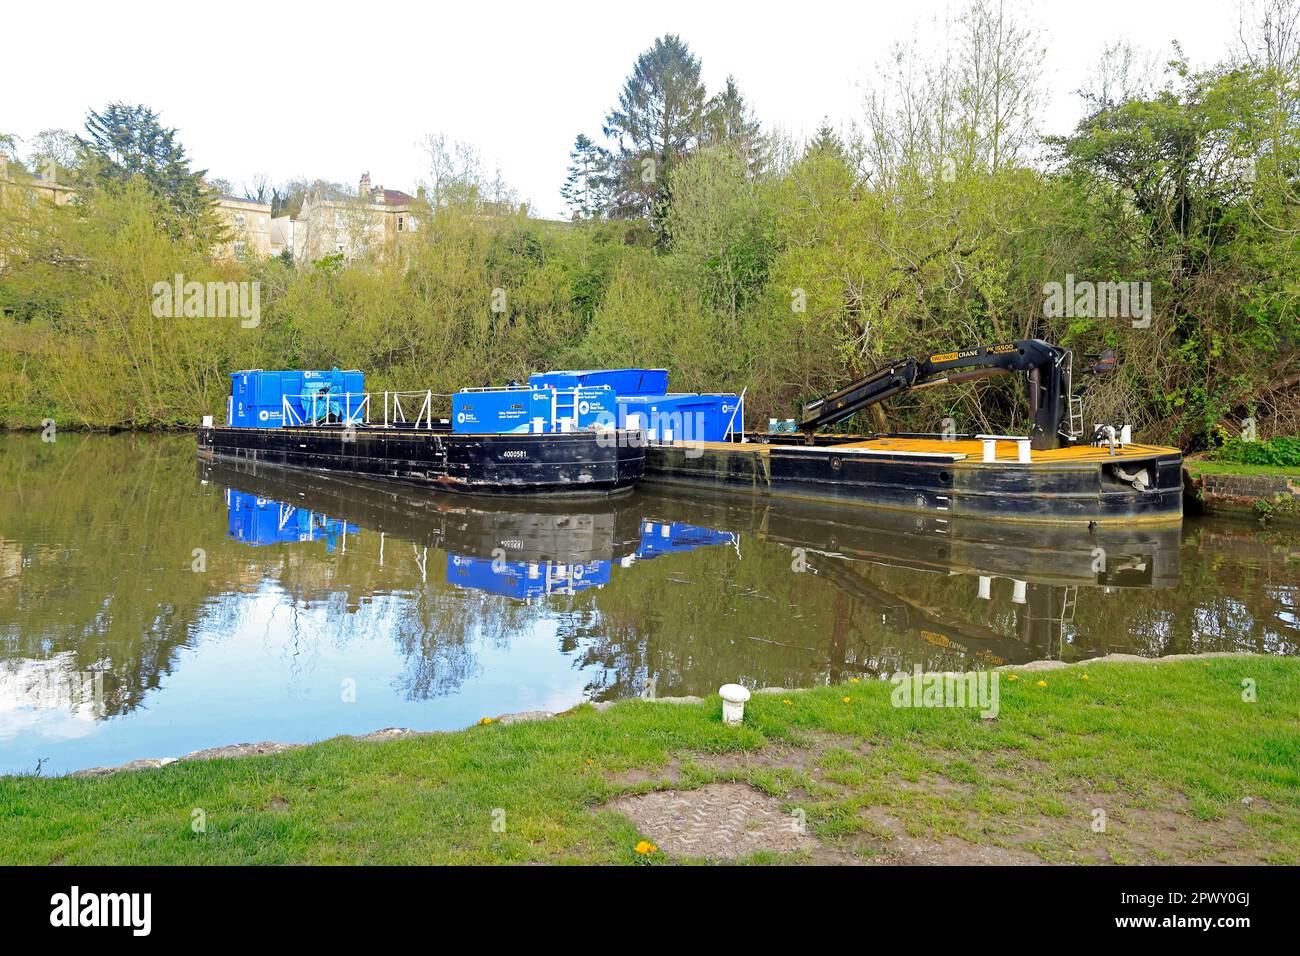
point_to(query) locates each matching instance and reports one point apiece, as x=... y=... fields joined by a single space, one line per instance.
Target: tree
x=826 y=142
x=124 y=142
x=729 y=122
x=259 y=188
x=999 y=89
x=586 y=189
x=721 y=230
x=8 y=152
x=53 y=153
x=658 y=121
x=1208 y=184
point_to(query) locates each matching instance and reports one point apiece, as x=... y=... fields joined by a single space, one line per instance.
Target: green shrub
x=1283 y=452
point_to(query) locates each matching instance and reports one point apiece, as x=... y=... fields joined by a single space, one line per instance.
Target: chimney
x=364 y=189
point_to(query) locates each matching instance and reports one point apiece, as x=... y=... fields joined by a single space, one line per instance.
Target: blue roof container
x=624 y=381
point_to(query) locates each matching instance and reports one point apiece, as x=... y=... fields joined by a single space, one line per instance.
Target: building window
x=261 y=224
x=401 y=223
x=239 y=248
x=410 y=224
x=240 y=220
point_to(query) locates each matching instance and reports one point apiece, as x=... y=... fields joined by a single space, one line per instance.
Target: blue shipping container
x=505 y=412
x=687 y=417
x=519 y=410
x=260 y=521
x=257 y=397
x=522 y=580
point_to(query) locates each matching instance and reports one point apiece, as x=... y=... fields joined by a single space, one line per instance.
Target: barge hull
x=1077 y=485
x=563 y=465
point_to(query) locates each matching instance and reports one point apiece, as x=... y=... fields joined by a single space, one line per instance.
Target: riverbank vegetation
x=1166 y=224
x=1168 y=762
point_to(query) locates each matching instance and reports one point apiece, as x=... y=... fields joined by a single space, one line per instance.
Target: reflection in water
x=147 y=613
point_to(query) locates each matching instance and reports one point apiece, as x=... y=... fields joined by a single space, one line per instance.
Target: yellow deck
x=973 y=449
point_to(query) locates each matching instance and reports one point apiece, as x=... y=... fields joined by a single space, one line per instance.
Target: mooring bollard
x=990 y=449
x=733 y=703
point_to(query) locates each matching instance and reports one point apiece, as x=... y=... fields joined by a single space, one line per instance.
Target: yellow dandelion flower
x=1083 y=677
x=1042 y=683
x=853 y=680
x=485 y=720
x=786 y=700
x=846 y=699
x=645 y=846
x=1012 y=677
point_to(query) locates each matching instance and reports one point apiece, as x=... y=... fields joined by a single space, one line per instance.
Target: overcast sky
x=331 y=90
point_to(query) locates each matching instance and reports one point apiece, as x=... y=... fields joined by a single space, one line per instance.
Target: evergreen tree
x=729 y=122
x=826 y=142
x=585 y=189
x=658 y=121
x=124 y=142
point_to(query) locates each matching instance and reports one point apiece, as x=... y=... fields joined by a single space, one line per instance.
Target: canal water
x=151 y=605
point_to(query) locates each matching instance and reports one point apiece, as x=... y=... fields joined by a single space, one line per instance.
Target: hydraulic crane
x=1047 y=368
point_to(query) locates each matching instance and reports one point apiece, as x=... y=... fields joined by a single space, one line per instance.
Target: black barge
x=579 y=464
x=1061 y=471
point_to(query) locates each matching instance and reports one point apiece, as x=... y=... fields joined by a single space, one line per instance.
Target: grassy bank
x=1181 y=766
x=1211 y=467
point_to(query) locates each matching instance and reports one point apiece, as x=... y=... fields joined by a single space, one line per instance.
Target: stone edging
x=1275 y=497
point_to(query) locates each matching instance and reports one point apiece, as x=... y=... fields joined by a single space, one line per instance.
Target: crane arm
x=1047 y=369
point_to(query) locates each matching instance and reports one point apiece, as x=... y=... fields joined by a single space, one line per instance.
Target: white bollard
x=986 y=587
x=733 y=703
x=207 y=421
x=1126 y=435
x=990 y=449
x=1022 y=449
x=1018 y=591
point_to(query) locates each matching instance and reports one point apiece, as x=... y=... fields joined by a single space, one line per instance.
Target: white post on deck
x=986 y=587
x=990 y=449
x=1022 y=448
x=1018 y=591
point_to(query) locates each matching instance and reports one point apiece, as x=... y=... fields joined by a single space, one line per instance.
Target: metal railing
x=354 y=408
x=349 y=409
